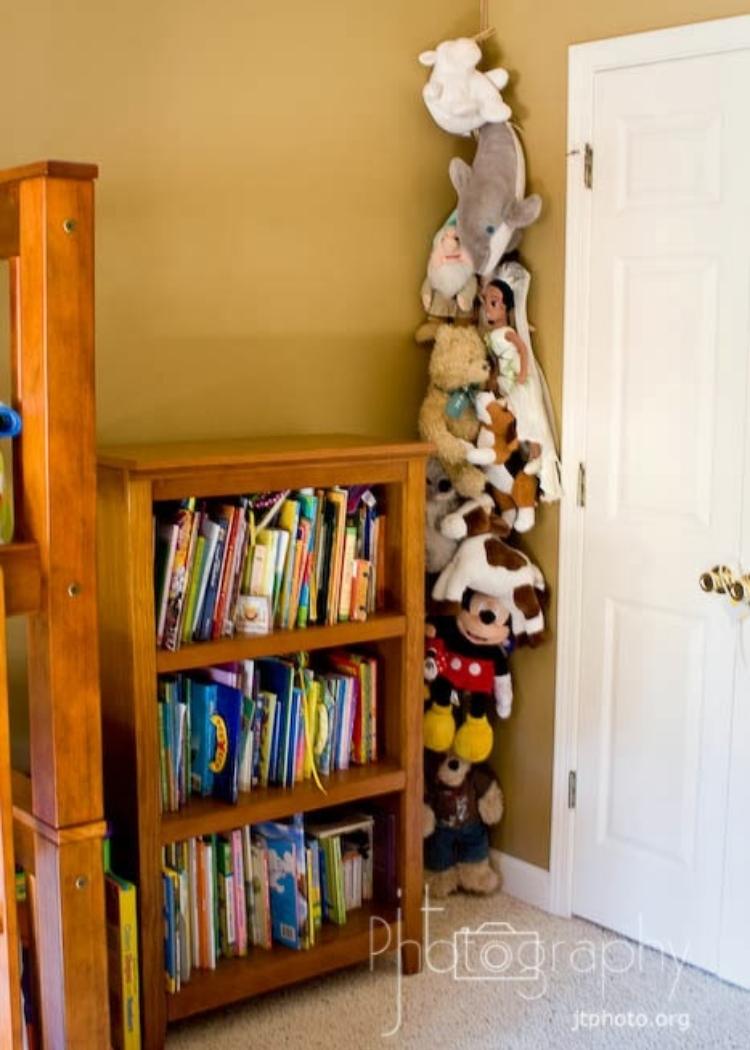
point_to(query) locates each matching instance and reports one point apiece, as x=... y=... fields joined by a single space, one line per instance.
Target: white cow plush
x=459 y=97
x=485 y=564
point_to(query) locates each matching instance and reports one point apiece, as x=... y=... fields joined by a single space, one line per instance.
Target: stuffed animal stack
x=488 y=413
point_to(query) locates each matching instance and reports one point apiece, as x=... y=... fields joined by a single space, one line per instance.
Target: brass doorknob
x=739 y=590
x=722 y=580
x=717 y=580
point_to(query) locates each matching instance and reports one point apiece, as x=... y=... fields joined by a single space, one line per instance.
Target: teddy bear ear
x=428 y=58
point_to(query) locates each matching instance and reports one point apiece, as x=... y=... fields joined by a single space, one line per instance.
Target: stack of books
x=265 y=722
x=270 y=883
x=251 y=563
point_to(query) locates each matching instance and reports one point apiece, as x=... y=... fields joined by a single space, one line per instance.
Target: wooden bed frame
x=57 y=825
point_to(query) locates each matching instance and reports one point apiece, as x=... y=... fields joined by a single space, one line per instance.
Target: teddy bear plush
x=461 y=802
x=459 y=368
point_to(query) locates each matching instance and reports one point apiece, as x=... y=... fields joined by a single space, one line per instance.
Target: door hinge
x=588 y=166
x=581 y=489
x=572 y=787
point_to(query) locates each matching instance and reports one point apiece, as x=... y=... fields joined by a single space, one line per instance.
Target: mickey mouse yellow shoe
x=439 y=728
x=473 y=741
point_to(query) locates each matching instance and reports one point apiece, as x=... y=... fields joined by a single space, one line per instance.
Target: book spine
x=345 y=594
x=240 y=903
x=178 y=581
x=217 y=623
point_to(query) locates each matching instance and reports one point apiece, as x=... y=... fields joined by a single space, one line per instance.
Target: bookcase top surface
x=167 y=457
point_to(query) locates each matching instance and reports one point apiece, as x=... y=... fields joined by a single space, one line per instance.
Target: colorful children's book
x=261 y=894
x=227 y=721
x=203 y=631
x=211 y=534
x=225 y=880
x=178 y=580
x=282 y=874
x=240 y=896
x=186 y=631
x=202 y=698
x=345 y=595
x=122 y=955
x=166 y=545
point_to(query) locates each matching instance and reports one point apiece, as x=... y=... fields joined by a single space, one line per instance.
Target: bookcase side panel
x=412 y=568
x=131 y=752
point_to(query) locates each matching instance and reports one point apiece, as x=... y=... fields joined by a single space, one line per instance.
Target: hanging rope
x=484 y=15
x=485 y=29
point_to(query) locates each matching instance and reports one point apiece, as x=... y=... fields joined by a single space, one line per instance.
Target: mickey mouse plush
x=468 y=653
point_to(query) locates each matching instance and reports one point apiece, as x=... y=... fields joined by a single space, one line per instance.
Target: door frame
x=584 y=62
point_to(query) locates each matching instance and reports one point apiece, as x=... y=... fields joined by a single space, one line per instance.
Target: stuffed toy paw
x=438 y=728
x=473 y=742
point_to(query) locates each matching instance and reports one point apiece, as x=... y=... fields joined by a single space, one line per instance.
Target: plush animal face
x=483 y=620
x=450 y=267
x=439 y=486
x=459 y=358
x=503 y=426
x=452 y=771
x=460 y=55
x=491 y=206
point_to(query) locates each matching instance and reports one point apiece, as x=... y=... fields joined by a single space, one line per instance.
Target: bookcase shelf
x=130 y=482
x=205 y=815
x=372 y=928
x=201 y=654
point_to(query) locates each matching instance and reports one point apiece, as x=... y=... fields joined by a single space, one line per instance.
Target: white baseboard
x=524 y=881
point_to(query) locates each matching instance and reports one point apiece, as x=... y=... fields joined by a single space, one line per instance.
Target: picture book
x=282 y=876
x=227 y=721
x=202 y=701
x=122 y=960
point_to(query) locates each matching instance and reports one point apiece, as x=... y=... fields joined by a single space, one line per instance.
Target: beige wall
x=269 y=184
x=532 y=41
x=269 y=180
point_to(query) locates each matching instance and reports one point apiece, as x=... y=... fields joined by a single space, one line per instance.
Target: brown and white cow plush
x=484 y=563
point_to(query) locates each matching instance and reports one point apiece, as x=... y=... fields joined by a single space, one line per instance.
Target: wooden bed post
x=47 y=233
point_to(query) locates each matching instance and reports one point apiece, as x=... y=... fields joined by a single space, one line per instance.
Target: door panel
x=666 y=430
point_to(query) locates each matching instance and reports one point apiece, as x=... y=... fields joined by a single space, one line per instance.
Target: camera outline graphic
x=500 y=950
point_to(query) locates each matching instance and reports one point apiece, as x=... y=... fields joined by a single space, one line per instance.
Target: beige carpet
x=582 y=987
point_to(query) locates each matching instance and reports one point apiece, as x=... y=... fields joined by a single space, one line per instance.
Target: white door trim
x=584 y=62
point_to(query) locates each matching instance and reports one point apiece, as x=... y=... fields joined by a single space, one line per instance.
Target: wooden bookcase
x=131 y=480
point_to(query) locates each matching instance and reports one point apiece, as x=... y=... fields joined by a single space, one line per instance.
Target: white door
x=660 y=841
